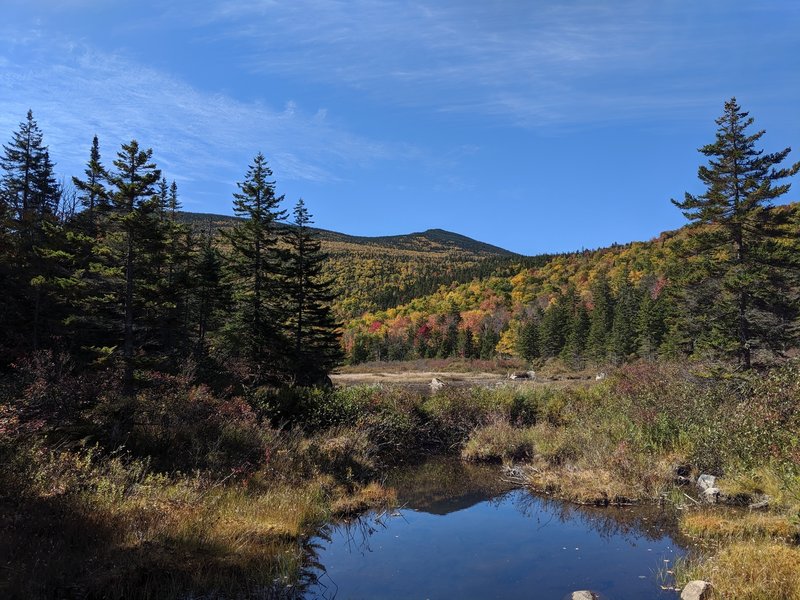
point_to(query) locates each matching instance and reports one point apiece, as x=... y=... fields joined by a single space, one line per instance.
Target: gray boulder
x=706 y=481
x=711 y=495
x=584 y=595
x=696 y=590
x=436 y=384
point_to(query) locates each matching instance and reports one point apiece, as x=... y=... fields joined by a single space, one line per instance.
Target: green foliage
x=739 y=270
x=312 y=329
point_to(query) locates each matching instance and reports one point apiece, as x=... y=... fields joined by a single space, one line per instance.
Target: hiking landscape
x=208 y=391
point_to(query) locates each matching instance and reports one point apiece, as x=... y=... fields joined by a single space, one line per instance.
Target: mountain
x=377 y=273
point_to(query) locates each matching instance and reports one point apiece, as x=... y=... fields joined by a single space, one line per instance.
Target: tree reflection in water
x=434 y=490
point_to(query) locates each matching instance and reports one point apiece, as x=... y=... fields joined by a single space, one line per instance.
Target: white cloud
x=531 y=62
x=200 y=137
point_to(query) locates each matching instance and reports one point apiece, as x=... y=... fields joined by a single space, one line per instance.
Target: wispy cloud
x=198 y=137
x=534 y=63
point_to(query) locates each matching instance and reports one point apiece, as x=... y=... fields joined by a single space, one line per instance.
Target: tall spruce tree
x=135 y=205
x=738 y=270
x=554 y=326
x=574 y=350
x=29 y=206
x=254 y=332
x=651 y=319
x=92 y=191
x=601 y=318
x=622 y=338
x=314 y=332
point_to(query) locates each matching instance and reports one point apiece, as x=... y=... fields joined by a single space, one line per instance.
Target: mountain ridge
x=435 y=235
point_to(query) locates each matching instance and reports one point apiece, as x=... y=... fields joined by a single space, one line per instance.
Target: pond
x=463 y=533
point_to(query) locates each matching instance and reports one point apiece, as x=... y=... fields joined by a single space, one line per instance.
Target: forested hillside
x=376 y=273
x=595 y=306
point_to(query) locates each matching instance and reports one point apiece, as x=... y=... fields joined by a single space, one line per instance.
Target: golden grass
x=751 y=571
x=499 y=441
x=728 y=525
x=582 y=485
x=118 y=532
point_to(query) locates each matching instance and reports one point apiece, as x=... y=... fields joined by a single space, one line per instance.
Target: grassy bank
x=181 y=489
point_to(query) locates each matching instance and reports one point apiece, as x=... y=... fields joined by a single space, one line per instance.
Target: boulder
x=600 y=377
x=711 y=495
x=706 y=481
x=759 y=503
x=696 y=590
x=436 y=384
x=584 y=595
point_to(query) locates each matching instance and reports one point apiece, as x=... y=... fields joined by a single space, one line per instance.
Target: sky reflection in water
x=474 y=541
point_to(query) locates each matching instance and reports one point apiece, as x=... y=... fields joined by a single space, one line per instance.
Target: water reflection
x=464 y=533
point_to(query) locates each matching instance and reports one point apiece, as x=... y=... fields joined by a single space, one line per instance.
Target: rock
x=760 y=504
x=584 y=595
x=600 y=377
x=711 y=495
x=681 y=480
x=706 y=481
x=696 y=590
x=436 y=384
x=520 y=375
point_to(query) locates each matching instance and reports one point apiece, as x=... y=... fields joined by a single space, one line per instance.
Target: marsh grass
x=727 y=525
x=753 y=570
x=177 y=491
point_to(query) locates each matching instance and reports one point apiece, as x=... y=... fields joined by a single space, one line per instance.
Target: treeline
x=726 y=286
x=103 y=275
x=615 y=324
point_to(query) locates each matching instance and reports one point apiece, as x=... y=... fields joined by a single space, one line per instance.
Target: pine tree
x=622 y=339
x=92 y=192
x=314 y=332
x=30 y=205
x=134 y=208
x=554 y=326
x=253 y=333
x=737 y=271
x=601 y=318
x=575 y=347
x=528 y=338
x=210 y=292
x=466 y=343
x=651 y=320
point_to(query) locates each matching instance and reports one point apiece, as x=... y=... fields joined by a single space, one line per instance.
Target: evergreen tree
x=254 y=261
x=488 y=341
x=622 y=341
x=601 y=318
x=95 y=314
x=135 y=211
x=528 y=338
x=314 y=332
x=650 y=322
x=554 y=326
x=29 y=206
x=466 y=343
x=575 y=347
x=738 y=267
x=92 y=192
x=210 y=293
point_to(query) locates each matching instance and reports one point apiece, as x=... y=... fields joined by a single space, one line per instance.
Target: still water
x=462 y=534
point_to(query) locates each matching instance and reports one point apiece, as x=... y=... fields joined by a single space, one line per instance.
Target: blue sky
x=537 y=126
